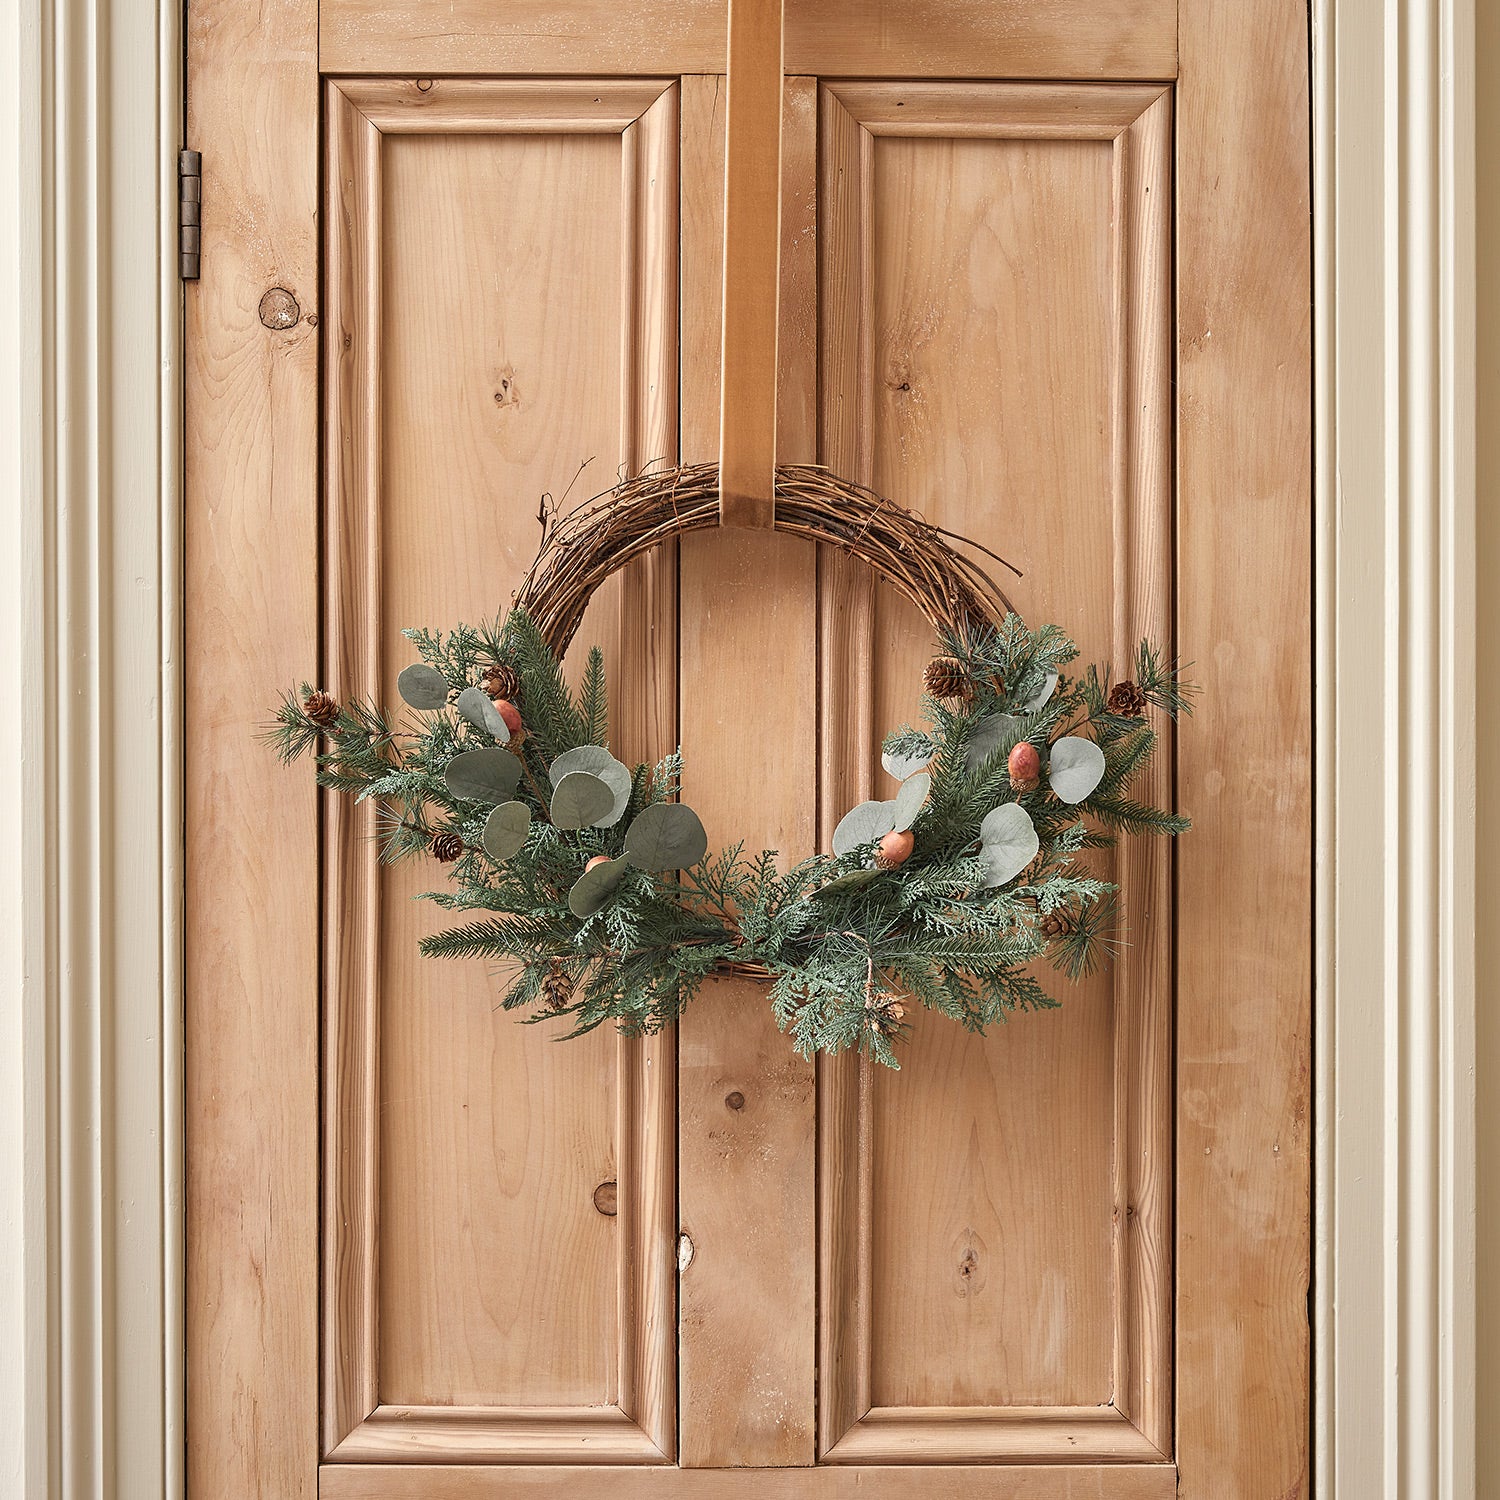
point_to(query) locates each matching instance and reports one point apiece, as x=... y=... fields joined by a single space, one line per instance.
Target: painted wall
x=1487 y=905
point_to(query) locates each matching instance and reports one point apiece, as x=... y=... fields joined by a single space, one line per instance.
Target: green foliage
x=844 y=961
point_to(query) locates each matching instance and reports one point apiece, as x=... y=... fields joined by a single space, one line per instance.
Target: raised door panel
x=501 y=268
x=996 y=350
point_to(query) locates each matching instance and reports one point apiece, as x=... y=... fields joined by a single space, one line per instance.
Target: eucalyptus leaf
x=475 y=705
x=422 y=686
x=850 y=882
x=910 y=798
x=1075 y=768
x=594 y=887
x=666 y=836
x=902 y=766
x=1049 y=686
x=992 y=733
x=863 y=825
x=1008 y=843
x=488 y=775
x=580 y=799
x=597 y=761
x=505 y=830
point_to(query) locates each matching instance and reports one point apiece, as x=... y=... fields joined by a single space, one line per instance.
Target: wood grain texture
x=746 y=1197
x=467 y=1264
x=834 y=1482
x=426 y=1435
x=958 y=1435
x=1079 y=39
x=751 y=276
x=1036 y=1272
x=251 y=621
x=1243 y=890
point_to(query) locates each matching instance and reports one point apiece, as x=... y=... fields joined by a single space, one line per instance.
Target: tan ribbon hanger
x=752 y=255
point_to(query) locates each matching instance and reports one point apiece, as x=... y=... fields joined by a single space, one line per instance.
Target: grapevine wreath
x=598 y=889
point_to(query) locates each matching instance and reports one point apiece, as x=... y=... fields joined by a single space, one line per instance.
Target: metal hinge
x=189 y=204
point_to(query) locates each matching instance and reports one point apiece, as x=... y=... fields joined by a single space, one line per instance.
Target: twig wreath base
x=594 y=887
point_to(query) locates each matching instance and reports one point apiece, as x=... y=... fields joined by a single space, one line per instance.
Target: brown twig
x=600 y=536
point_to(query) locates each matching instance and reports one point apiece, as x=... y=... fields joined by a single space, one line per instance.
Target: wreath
x=595 y=886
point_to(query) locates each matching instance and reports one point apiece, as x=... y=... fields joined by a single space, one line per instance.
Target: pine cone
x=887 y=1011
x=1061 y=922
x=446 y=847
x=501 y=681
x=557 y=987
x=322 y=708
x=947 y=677
x=1127 y=700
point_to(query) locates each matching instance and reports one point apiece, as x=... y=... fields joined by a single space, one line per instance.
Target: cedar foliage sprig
x=844 y=958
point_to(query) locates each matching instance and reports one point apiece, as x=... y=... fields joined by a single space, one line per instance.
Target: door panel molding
x=637 y=1424
x=1136 y=123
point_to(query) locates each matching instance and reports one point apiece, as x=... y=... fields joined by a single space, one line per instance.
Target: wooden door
x=1045 y=278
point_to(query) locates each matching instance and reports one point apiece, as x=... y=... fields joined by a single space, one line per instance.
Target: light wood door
x=1045 y=278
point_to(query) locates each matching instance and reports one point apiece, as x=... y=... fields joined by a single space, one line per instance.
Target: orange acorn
x=512 y=716
x=894 y=850
x=1025 y=766
x=598 y=859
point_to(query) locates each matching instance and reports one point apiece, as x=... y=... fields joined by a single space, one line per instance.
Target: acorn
x=894 y=850
x=512 y=716
x=598 y=859
x=1025 y=766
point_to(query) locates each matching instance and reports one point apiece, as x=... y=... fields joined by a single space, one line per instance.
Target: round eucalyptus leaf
x=594 y=887
x=909 y=800
x=1049 y=686
x=863 y=825
x=422 y=686
x=1076 y=767
x=505 y=830
x=475 y=705
x=850 y=882
x=1008 y=843
x=580 y=799
x=488 y=775
x=994 y=733
x=902 y=766
x=597 y=761
x=666 y=836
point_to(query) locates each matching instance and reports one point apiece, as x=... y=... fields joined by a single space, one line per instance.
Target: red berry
x=1025 y=765
x=894 y=849
x=511 y=714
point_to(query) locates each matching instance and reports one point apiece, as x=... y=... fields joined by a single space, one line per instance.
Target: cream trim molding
x=90 y=1039
x=1394 y=291
x=90 y=1042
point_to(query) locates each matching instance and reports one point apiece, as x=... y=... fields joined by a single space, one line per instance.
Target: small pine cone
x=1127 y=700
x=322 y=708
x=446 y=847
x=947 y=677
x=557 y=988
x=888 y=1011
x=1061 y=922
x=501 y=681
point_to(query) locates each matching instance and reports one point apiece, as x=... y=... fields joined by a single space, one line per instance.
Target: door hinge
x=189 y=206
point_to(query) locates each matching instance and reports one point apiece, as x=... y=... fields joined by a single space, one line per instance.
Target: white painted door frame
x=90 y=517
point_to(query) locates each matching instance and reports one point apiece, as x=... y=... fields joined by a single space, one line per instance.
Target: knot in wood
x=279 y=310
